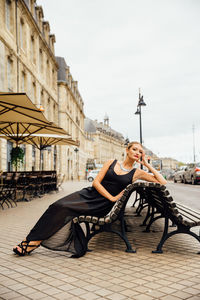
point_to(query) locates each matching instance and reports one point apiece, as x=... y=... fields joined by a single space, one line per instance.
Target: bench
x=162 y=205
x=95 y=225
x=156 y=198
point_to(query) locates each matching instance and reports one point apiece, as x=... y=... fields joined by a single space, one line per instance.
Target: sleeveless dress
x=55 y=227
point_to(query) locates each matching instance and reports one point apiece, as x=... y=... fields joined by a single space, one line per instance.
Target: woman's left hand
x=143 y=161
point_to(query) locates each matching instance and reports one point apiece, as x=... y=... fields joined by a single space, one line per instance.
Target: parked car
x=168 y=174
x=192 y=173
x=178 y=175
x=92 y=174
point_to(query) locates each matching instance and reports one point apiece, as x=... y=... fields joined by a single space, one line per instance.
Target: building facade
x=71 y=118
x=28 y=64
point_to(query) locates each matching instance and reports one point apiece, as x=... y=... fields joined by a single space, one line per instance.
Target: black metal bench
x=161 y=205
x=95 y=225
x=156 y=198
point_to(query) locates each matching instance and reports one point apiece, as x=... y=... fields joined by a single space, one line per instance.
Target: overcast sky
x=115 y=47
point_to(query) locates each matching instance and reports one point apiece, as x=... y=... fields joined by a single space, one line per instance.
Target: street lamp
x=139 y=112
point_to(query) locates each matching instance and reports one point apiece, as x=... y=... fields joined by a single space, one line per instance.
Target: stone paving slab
x=108 y=272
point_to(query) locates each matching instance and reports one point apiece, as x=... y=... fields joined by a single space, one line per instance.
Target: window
x=52 y=77
x=9 y=74
x=9 y=149
x=33 y=158
x=55 y=158
x=40 y=61
x=49 y=110
x=54 y=113
x=33 y=91
x=8 y=13
x=21 y=34
x=47 y=72
x=32 y=48
x=23 y=82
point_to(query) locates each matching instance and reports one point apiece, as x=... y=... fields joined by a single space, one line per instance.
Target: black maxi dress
x=55 y=227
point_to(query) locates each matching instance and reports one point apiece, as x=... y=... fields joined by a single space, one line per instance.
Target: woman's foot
x=25 y=247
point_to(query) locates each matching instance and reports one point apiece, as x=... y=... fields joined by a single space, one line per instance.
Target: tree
x=17 y=157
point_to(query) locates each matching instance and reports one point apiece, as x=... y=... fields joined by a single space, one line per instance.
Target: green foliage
x=17 y=156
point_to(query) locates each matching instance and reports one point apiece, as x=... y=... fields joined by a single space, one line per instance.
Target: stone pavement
x=105 y=273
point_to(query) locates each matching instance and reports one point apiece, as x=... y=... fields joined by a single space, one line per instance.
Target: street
x=107 y=271
x=185 y=193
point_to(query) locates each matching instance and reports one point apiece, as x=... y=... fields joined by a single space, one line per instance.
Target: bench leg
x=148 y=215
x=109 y=229
x=151 y=222
x=124 y=237
x=136 y=199
x=166 y=235
x=126 y=241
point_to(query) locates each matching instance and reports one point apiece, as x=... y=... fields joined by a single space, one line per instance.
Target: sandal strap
x=24 y=245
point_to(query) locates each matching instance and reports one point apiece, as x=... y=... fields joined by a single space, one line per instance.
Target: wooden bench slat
x=194 y=213
x=187 y=214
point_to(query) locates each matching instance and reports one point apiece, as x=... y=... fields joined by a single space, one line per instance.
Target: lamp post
x=139 y=112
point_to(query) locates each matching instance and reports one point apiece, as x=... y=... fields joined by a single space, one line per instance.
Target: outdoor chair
x=7 y=190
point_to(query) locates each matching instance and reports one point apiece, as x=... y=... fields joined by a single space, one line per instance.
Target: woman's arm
x=140 y=174
x=99 y=187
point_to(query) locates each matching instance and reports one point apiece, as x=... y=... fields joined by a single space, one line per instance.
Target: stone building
x=28 y=64
x=103 y=143
x=169 y=163
x=71 y=118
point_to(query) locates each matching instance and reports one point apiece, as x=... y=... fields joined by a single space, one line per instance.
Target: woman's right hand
x=117 y=197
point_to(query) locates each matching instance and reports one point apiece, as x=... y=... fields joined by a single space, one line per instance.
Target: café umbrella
x=20 y=118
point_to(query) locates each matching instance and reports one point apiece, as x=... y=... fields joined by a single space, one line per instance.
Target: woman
x=54 y=230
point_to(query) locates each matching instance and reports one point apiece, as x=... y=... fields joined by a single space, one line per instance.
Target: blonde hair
x=132 y=143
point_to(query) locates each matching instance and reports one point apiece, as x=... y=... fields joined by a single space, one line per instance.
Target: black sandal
x=24 y=245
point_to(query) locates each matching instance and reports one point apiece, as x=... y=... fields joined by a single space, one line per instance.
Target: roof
x=61 y=68
x=94 y=126
x=89 y=126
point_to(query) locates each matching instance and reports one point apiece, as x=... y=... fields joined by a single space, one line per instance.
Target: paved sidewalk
x=105 y=273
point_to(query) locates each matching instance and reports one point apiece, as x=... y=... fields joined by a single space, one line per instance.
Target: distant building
x=169 y=163
x=103 y=143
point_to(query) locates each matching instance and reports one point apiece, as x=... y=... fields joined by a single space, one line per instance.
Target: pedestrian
x=55 y=229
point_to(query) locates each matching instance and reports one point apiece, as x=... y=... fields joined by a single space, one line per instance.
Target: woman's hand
x=115 y=198
x=143 y=161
